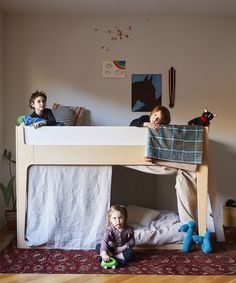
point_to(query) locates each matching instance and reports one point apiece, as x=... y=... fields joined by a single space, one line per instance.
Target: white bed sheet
x=163 y=230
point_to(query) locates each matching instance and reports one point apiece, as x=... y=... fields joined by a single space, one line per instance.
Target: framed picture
x=114 y=69
x=146 y=92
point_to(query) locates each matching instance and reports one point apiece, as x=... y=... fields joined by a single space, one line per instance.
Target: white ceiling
x=124 y=7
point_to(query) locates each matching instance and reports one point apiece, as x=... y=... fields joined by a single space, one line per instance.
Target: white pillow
x=141 y=215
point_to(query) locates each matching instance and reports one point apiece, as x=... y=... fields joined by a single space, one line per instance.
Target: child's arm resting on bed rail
x=30 y=121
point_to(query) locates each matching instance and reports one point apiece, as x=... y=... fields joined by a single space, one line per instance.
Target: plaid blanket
x=175 y=143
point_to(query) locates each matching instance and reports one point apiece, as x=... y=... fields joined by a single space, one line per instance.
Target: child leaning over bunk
x=118 y=239
x=41 y=116
x=160 y=115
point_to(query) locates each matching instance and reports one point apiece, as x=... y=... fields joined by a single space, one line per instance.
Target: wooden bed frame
x=96 y=153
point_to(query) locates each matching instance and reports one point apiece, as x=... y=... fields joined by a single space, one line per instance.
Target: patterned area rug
x=161 y=262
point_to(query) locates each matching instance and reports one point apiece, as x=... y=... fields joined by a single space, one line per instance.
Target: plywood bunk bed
x=89 y=146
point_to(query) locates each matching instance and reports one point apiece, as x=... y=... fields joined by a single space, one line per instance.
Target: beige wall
x=62 y=55
x=1 y=84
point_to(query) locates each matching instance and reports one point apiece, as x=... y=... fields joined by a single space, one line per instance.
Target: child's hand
x=105 y=256
x=39 y=124
x=154 y=125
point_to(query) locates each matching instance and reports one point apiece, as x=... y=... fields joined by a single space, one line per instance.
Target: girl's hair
x=36 y=94
x=165 y=113
x=119 y=208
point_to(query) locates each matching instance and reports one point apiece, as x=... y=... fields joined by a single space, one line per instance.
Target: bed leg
x=202 y=192
x=24 y=157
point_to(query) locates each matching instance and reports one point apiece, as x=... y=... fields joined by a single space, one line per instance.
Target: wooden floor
x=5 y=239
x=95 y=278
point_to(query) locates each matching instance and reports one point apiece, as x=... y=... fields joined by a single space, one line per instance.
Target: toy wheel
x=105 y=267
x=113 y=267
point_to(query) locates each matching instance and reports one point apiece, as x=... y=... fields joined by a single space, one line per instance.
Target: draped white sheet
x=67 y=205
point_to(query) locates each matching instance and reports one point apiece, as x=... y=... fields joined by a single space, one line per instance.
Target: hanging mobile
x=172 y=83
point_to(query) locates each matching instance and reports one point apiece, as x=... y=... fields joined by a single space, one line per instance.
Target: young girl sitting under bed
x=160 y=115
x=118 y=239
x=41 y=116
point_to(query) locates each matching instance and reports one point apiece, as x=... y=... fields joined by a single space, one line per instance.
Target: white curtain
x=67 y=205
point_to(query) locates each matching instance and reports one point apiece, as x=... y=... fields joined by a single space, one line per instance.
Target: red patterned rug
x=161 y=262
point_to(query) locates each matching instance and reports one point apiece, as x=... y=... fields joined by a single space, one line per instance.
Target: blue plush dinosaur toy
x=190 y=238
x=205 y=242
